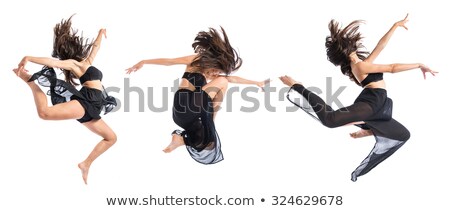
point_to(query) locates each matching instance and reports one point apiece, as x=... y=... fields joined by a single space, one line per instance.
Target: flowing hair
x=341 y=43
x=215 y=52
x=68 y=45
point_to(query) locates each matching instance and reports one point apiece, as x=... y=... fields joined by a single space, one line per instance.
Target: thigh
x=355 y=113
x=100 y=128
x=68 y=110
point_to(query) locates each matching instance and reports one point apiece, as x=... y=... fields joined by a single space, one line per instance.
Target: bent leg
x=100 y=128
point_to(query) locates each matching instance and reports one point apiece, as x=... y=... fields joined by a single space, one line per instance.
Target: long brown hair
x=215 y=52
x=68 y=45
x=341 y=43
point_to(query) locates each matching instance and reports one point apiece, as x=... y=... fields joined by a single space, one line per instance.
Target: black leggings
x=374 y=108
x=359 y=111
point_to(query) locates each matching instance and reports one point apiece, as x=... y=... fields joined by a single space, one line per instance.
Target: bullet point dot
x=263 y=200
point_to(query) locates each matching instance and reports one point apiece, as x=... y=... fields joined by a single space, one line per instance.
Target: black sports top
x=196 y=79
x=92 y=73
x=372 y=77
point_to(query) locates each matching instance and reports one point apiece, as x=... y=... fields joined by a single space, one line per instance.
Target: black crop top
x=196 y=79
x=91 y=74
x=372 y=77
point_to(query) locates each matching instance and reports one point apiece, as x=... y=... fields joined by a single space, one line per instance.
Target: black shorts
x=92 y=103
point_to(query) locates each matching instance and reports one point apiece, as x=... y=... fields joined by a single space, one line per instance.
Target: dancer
x=372 y=109
x=74 y=56
x=197 y=101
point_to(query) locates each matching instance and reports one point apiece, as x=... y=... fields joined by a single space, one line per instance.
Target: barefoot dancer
x=197 y=101
x=74 y=56
x=372 y=106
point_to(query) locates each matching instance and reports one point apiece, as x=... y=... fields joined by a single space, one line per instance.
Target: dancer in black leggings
x=197 y=101
x=372 y=109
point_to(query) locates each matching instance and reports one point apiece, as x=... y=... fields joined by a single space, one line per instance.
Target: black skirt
x=92 y=100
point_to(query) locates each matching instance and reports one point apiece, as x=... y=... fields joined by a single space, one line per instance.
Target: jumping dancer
x=197 y=101
x=372 y=109
x=74 y=56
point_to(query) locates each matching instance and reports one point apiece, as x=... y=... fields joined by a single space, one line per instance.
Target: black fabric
x=91 y=74
x=196 y=79
x=92 y=100
x=193 y=111
x=374 y=108
x=371 y=77
x=371 y=104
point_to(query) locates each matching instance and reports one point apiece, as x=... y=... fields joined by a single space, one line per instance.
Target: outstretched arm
x=367 y=68
x=96 y=46
x=186 y=60
x=385 y=39
x=69 y=64
x=239 y=80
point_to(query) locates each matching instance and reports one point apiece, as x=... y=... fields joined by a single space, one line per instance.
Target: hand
x=262 y=84
x=135 y=68
x=288 y=80
x=102 y=32
x=22 y=64
x=402 y=22
x=425 y=70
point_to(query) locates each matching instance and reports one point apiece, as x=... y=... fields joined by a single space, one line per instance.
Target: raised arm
x=69 y=64
x=186 y=60
x=385 y=39
x=239 y=80
x=96 y=46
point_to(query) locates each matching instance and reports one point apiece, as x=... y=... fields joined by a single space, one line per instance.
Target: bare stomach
x=96 y=84
x=376 y=85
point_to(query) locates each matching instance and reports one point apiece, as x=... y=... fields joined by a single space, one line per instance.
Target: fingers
x=406 y=18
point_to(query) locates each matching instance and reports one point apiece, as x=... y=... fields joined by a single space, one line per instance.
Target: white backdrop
x=266 y=153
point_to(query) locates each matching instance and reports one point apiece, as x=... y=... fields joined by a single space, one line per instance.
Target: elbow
x=392 y=68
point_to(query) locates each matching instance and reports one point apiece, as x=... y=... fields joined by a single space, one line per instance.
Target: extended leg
x=330 y=118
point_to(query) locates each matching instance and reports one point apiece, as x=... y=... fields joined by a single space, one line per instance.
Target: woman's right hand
x=135 y=68
x=402 y=22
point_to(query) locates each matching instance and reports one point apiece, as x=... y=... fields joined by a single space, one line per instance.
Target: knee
x=44 y=114
x=405 y=135
x=330 y=124
x=111 y=139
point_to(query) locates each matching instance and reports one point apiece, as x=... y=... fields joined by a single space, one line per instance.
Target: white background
x=266 y=153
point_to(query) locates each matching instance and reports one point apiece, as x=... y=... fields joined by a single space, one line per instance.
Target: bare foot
x=22 y=74
x=176 y=142
x=361 y=133
x=84 y=171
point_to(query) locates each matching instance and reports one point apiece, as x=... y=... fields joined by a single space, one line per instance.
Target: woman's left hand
x=288 y=80
x=22 y=64
x=403 y=22
x=425 y=69
x=262 y=84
